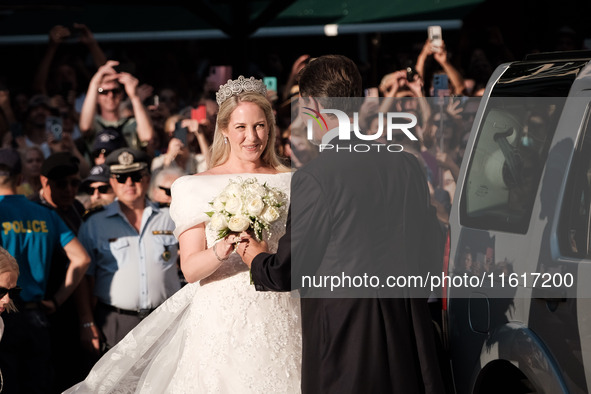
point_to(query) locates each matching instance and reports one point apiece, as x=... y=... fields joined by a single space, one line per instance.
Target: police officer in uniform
x=32 y=233
x=133 y=252
x=98 y=188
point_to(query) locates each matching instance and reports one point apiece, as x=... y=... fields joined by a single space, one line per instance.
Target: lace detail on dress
x=249 y=341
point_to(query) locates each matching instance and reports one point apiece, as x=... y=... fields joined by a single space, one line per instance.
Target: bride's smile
x=247 y=132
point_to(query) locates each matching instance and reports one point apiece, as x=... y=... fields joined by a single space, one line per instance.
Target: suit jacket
x=355 y=214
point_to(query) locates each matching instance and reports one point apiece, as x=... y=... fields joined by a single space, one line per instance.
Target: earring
x=225 y=140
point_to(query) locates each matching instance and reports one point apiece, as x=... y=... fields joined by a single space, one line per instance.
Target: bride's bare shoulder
x=223 y=170
x=211 y=171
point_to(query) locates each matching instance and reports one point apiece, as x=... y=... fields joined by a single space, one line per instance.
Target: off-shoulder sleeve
x=191 y=195
x=190 y=201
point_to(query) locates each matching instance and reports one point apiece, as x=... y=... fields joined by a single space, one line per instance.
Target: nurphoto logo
x=394 y=121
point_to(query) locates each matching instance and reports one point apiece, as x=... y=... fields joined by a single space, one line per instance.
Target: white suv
x=520 y=227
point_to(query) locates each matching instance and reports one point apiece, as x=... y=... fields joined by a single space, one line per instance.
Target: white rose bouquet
x=245 y=204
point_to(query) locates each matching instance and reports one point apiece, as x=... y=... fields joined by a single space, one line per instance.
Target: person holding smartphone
x=107 y=89
x=427 y=69
x=184 y=135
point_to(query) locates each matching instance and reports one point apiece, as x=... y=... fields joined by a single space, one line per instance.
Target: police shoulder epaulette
x=89 y=212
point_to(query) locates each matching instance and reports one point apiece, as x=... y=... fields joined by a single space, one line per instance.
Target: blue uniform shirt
x=31 y=233
x=132 y=271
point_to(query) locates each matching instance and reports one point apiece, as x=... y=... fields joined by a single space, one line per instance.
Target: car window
x=507 y=161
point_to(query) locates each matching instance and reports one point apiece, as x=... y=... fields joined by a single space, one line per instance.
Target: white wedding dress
x=220 y=336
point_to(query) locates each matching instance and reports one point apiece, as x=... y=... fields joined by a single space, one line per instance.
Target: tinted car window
x=507 y=162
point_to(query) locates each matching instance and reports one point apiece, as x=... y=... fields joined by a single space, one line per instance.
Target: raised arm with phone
x=59 y=34
x=435 y=46
x=183 y=133
x=106 y=89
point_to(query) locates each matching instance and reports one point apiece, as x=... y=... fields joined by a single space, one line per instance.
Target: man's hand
x=248 y=248
x=130 y=83
x=392 y=82
x=105 y=73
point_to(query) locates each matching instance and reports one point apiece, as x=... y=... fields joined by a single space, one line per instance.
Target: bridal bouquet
x=245 y=204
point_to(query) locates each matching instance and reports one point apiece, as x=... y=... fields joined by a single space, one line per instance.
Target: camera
x=410 y=73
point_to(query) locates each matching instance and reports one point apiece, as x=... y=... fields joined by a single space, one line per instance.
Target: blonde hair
x=28 y=149
x=8 y=264
x=220 y=151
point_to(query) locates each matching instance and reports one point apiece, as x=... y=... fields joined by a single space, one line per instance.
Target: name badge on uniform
x=162 y=232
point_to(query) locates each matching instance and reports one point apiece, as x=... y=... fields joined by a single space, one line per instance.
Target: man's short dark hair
x=10 y=162
x=334 y=76
x=60 y=165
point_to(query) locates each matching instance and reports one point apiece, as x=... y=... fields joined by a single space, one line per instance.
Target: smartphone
x=180 y=132
x=153 y=101
x=440 y=85
x=199 y=113
x=54 y=125
x=270 y=83
x=435 y=38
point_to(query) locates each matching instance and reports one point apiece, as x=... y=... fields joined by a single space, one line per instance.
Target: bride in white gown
x=216 y=334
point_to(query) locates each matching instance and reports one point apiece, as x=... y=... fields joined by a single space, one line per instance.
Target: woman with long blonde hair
x=218 y=333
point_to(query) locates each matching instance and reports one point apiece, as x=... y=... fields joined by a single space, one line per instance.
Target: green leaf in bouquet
x=223 y=233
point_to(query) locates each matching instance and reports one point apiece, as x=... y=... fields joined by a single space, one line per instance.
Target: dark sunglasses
x=64 y=183
x=115 y=91
x=166 y=190
x=101 y=189
x=135 y=177
x=12 y=293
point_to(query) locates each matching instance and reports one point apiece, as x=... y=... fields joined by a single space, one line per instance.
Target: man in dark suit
x=353 y=215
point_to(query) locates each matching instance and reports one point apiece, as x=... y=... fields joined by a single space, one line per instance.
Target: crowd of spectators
x=76 y=114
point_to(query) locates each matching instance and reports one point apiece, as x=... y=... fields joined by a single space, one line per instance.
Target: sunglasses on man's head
x=12 y=293
x=101 y=189
x=135 y=177
x=64 y=183
x=166 y=190
x=115 y=91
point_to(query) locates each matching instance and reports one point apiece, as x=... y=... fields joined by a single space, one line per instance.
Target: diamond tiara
x=240 y=85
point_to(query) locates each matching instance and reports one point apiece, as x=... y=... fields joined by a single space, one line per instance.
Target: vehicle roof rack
x=564 y=55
